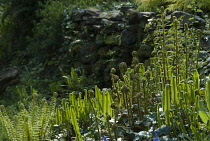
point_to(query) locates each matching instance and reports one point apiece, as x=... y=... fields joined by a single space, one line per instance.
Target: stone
x=93 y=12
x=190 y=19
x=139 y=17
x=74 y=48
x=111 y=15
x=129 y=36
x=97 y=27
x=205 y=43
x=106 y=22
x=87 y=52
x=9 y=77
x=92 y=20
x=126 y=9
x=79 y=15
x=113 y=35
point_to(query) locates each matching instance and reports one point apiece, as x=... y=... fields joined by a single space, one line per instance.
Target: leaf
x=204 y=116
x=202 y=106
x=142 y=136
x=208 y=124
x=163 y=130
x=208 y=94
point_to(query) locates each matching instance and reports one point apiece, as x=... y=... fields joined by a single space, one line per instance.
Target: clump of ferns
x=90 y=111
x=176 y=61
x=176 y=49
x=171 y=78
x=132 y=92
x=34 y=123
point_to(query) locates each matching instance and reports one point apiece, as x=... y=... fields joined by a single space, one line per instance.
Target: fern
x=30 y=124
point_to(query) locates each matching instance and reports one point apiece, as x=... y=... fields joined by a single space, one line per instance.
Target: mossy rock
x=113 y=39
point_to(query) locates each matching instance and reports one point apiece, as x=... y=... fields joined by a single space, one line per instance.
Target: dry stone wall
x=101 y=40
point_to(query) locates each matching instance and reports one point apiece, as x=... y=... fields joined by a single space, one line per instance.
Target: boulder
x=8 y=77
x=129 y=36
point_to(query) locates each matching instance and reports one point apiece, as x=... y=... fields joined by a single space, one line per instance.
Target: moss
x=113 y=39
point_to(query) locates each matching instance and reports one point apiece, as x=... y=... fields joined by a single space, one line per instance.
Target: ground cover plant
x=165 y=100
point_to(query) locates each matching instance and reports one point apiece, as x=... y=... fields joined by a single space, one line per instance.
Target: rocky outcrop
x=8 y=77
x=101 y=40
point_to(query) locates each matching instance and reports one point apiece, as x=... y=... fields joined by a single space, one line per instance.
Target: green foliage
x=3 y=132
x=67 y=116
x=16 y=23
x=33 y=122
x=153 y=5
x=180 y=81
x=171 y=81
x=73 y=81
x=77 y=111
x=6 y=29
x=47 y=32
x=191 y=6
x=208 y=94
x=204 y=111
x=205 y=117
x=167 y=92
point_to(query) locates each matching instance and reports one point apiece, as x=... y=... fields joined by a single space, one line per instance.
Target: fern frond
x=32 y=124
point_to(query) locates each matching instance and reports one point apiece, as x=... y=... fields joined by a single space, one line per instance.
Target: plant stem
x=164 y=48
x=199 y=33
